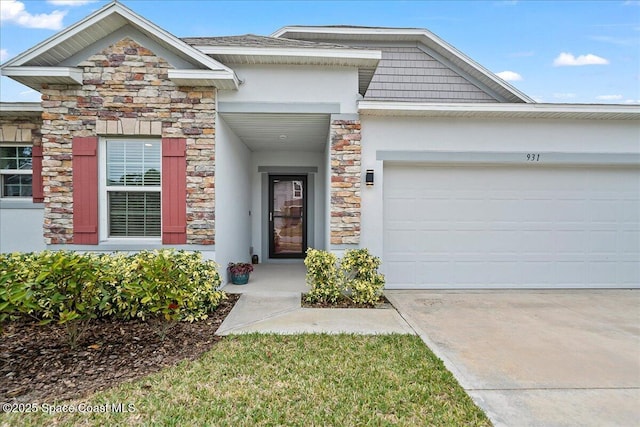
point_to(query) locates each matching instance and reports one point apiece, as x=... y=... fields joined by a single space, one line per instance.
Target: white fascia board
x=213 y=75
x=373 y=56
x=171 y=39
x=72 y=73
x=524 y=110
x=59 y=37
x=128 y=15
x=25 y=108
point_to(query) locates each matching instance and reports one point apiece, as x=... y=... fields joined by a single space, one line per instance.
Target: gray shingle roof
x=252 y=40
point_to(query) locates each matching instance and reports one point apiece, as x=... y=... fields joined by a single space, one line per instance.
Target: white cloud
x=70 y=2
x=608 y=97
x=564 y=95
x=14 y=11
x=4 y=54
x=510 y=76
x=568 y=60
x=632 y=101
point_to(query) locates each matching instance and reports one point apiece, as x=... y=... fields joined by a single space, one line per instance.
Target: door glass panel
x=288 y=218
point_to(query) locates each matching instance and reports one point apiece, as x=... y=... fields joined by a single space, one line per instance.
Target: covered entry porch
x=273 y=181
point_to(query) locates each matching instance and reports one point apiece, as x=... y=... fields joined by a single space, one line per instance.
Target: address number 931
x=533 y=157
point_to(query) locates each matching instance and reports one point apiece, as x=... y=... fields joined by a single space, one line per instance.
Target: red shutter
x=174 y=191
x=85 y=190
x=36 y=181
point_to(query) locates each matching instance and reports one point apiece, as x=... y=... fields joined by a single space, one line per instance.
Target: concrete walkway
x=281 y=313
x=537 y=358
x=271 y=303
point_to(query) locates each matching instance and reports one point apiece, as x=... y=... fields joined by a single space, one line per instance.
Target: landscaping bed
x=37 y=364
x=345 y=302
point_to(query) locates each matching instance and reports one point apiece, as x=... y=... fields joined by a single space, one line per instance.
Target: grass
x=305 y=380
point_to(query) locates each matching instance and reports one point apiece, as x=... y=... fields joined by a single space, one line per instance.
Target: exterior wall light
x=368 y=178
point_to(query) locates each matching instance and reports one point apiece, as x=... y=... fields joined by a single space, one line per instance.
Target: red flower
x=173 y=306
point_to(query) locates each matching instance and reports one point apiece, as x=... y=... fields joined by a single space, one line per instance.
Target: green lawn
x=304 y=380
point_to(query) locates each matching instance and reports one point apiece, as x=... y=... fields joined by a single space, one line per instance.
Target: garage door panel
x=400 y=241
x=630 y=243
x=402 y=272
x=629 y=272
x=602 y=272
x=401 y=209
x=572 y=273
x=569 y=241
x=436 y=272
x=482 y=226
x=439 y=209
x=538 y=241
x=603 y=242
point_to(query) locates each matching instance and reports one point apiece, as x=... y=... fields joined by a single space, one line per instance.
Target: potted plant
x=239 y=272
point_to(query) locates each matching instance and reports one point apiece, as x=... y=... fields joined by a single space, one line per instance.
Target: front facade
x=325 y=137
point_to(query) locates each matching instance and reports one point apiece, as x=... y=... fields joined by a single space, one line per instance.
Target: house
x=327 y=137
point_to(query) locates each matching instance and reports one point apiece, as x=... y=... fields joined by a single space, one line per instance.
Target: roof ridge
x=257 y=40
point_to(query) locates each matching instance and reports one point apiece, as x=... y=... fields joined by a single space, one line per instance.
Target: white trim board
x=532 y=158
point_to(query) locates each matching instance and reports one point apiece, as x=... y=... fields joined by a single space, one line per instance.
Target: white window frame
x=4 y=172
x=103 y=199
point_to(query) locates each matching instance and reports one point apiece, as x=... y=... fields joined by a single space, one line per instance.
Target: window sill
x=128 y=246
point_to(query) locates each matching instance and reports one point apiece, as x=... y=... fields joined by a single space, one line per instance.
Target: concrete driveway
x=537 y=358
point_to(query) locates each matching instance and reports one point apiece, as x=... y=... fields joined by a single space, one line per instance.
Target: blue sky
x=554 y=51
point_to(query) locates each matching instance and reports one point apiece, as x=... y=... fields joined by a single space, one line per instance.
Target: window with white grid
x=132 y=188
x=15 y=171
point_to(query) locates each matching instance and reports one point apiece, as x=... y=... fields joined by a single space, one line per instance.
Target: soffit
x=262 y=131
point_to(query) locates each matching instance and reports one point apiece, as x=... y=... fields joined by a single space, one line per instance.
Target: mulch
x=345 y=302
x=38 y=366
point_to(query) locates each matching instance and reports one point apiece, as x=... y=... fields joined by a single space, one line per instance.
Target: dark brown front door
x=287 y=216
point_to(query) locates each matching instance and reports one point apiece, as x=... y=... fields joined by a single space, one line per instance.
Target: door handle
x=270 y=216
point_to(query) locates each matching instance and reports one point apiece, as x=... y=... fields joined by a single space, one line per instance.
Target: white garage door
x=511 y=226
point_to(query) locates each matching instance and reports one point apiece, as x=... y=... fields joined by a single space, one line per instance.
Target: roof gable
x=50 y=57
x=408 y=73
x=436 y=48
x=254 y=49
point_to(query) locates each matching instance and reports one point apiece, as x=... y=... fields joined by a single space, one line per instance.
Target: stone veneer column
x=126 y=92
x=345 y=181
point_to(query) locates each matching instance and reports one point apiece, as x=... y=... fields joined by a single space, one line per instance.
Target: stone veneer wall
x=126 y=91
x=20 y=129
x=345 y=181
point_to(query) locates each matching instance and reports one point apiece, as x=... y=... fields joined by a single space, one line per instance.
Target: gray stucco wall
x=21 y=228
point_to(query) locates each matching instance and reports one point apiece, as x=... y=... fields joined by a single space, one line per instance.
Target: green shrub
x=362 y=280
x=60 y=286
x=169 y=285
x=16 y=296
x=355 y=276
x=72 y=288
x=323 y=276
